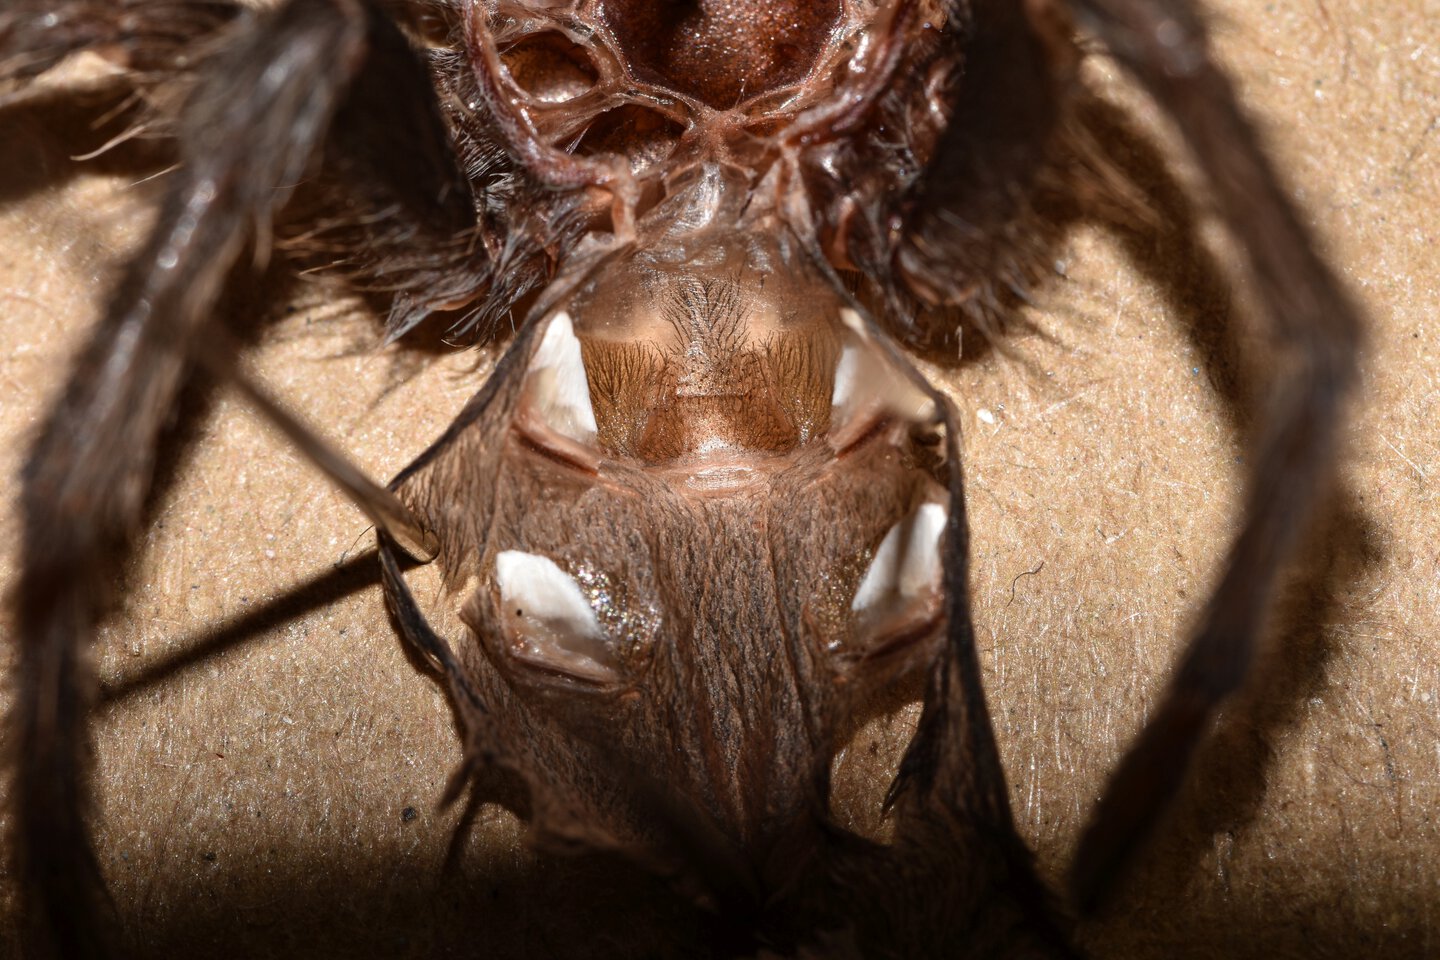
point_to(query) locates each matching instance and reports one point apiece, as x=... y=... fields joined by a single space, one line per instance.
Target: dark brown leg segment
x=1316 y=329
x=146 y=35
x=252 y=128
x=965 y=228
x=951 y=799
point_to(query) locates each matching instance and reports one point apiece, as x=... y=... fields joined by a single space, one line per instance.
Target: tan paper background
x=254 y=802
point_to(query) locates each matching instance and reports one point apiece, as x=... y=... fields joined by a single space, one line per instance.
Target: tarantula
x=705 y=507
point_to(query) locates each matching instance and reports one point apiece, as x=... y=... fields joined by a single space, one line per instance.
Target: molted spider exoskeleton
x=706 y=508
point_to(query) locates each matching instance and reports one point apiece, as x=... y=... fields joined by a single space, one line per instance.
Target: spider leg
x=953 y=752
x=1316 y=329
x=251 y=129
x=216 y=355
x=950 y=796
x=147 y=35
x=964 y=227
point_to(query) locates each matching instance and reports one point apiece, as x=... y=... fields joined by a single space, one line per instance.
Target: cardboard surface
x=276 y=795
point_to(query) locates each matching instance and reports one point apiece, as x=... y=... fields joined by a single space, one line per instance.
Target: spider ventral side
x=698 y=527
x=705 y=509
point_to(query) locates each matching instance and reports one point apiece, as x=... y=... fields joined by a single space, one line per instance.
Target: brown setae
x=707 y=511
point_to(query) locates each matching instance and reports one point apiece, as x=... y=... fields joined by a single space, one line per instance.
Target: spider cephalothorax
x=705 y=507
x=576 y=117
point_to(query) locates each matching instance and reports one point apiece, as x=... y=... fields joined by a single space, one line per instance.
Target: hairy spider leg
x=1316 y=329
x=251 y=130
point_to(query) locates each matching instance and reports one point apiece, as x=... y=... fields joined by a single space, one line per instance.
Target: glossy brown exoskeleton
x=705 y=507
